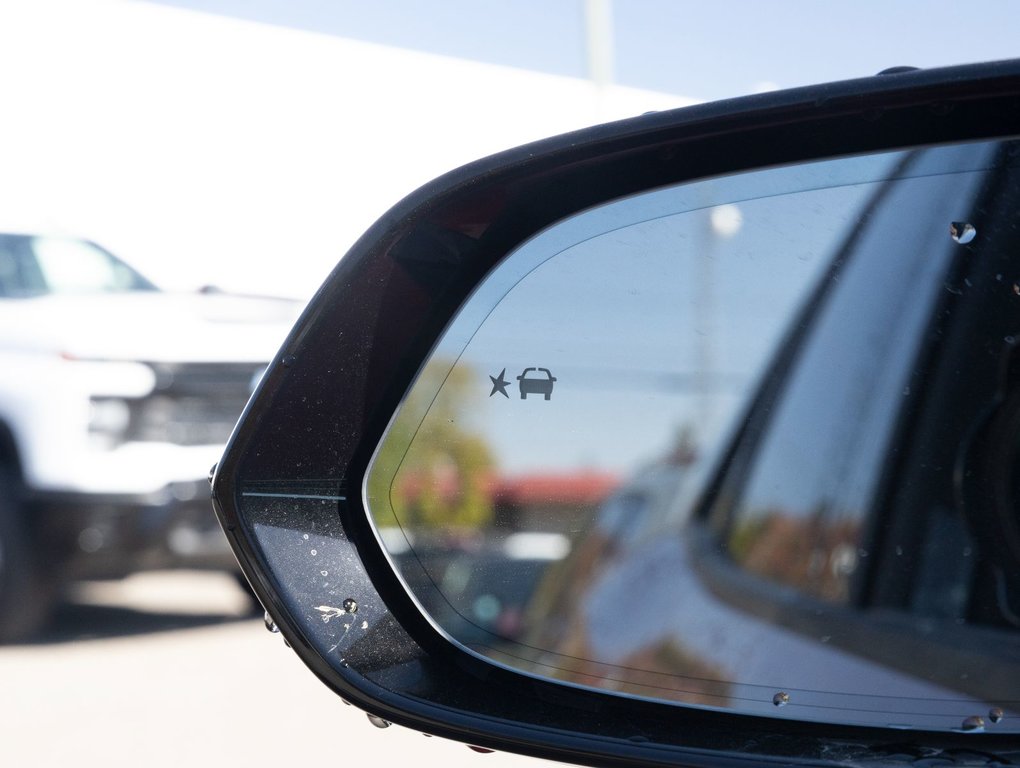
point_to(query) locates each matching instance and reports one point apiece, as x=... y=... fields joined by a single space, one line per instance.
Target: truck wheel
x=26 y=596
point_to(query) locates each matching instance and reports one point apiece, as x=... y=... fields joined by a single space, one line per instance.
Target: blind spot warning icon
x=499 y=384
x=536 y=384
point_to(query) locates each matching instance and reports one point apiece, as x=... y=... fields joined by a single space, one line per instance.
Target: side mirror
x=684 y=439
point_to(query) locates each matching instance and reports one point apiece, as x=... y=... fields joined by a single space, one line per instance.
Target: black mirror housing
x=289 y=491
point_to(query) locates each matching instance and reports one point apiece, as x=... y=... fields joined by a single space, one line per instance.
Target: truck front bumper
x=89 y=536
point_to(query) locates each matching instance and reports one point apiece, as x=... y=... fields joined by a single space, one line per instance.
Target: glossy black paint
x=323 y=406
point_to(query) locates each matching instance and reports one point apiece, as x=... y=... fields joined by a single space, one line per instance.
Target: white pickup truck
x=115 y=400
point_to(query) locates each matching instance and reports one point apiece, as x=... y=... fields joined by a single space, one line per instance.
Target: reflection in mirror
x=747 y=443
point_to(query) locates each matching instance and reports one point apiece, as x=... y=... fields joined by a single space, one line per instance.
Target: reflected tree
x=434 y=467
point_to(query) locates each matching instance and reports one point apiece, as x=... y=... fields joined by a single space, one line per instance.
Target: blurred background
x=176 y=180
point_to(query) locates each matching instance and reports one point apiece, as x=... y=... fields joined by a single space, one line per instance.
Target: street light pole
x=598 y=30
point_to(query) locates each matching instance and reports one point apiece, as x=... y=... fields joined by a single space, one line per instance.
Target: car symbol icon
x=536 y=385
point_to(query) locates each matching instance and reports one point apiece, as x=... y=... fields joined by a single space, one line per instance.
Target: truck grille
x=193 y=403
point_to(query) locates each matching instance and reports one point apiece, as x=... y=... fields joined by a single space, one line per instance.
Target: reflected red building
x=550 y=502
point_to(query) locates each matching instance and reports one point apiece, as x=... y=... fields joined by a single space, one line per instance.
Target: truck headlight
x=109 y=419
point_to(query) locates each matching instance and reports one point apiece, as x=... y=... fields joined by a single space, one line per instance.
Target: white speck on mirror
x=962 y=232
x=329 y=611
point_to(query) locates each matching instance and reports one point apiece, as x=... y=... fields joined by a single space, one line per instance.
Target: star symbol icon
x=499 y=384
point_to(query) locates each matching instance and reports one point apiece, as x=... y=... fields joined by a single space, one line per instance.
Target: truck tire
x=27 y=597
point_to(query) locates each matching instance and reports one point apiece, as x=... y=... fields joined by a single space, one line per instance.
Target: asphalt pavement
x=171 y=669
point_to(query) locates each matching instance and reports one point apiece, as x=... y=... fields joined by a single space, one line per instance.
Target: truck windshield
x=37 y=265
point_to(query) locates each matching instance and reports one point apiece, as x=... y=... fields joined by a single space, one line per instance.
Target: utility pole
x=598 y=30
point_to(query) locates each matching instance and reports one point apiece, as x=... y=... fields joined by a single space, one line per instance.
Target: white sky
x=207 y=150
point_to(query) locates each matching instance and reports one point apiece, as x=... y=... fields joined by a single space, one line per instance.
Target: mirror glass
x=746 y=443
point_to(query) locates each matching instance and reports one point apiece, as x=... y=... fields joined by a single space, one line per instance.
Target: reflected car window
x=802 y=516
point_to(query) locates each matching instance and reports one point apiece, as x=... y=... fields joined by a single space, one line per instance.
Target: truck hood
x=149 y=325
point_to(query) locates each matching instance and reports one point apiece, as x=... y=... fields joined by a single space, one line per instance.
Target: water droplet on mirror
x=996 y=715
x=324 y=573
x=351 y=605
x=325 y=619
x=270 y=624
x=364 y=625
x=962 y=232
x=973 y=724
x=378 y=722
x=305 y=537
x=781 y=699
x=315 y=552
